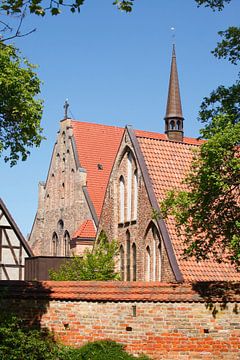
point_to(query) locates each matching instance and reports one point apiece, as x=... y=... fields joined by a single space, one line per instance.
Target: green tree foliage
x=208 y=215
x=97 y=264
x=213 y=4
x=98 y=350
x=20 y=112
x=17 y=342
x=40 y=7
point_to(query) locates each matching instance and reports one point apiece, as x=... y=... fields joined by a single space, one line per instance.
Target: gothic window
x=148 y=264
x=122 y=264
x=128 y=274
x=135 y=199
x=129 y=186
x=159 y=262
x=55 y=245
x=121 y=198
x=60 y=225
x=66 y=243
x=134 y=260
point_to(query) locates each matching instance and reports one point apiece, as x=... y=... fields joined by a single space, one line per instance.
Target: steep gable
x=167 y=164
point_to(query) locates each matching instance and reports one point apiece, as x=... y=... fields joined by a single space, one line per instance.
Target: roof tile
x=168 y=162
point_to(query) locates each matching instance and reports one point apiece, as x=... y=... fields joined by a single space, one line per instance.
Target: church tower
x=174 y=117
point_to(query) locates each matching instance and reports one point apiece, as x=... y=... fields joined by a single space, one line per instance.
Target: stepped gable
x=168 y=163
x=97 y=146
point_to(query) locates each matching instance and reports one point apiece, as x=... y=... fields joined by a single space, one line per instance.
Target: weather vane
x=173 y=34
x=66 y=106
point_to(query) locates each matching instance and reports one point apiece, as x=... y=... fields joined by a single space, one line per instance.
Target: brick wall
x=165 y=321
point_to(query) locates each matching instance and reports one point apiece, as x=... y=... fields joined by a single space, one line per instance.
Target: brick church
x=110 y=178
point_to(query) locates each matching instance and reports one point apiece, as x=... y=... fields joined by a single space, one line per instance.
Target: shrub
x=98 y=350
x=17 y=342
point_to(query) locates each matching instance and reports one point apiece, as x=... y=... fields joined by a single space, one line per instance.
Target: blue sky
x=114 y=69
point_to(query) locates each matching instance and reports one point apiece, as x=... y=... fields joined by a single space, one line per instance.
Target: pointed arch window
x=66 y=243
x=129 y=186
x=122 y=262
x=55 y=245
x=121 y=199
x=134 y=260
x=135 y=199
x=159 y=261
x=128 y=273
x=148 y=263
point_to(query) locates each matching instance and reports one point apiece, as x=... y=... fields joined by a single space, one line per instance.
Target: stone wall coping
x=118 y=291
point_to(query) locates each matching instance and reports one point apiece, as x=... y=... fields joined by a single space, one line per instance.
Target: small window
x=128 y=273
x=148 y=263
x=121 y=199
x=66 y=243
x=134 y=259
x=60 y=225
x=172 y=124
x=122 y=262
x=55 y=245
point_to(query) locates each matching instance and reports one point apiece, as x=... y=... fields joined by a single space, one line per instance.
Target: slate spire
x=174 y=117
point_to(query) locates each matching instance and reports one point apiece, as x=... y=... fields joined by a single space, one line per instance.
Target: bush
x=17 y=342
x=98 y=350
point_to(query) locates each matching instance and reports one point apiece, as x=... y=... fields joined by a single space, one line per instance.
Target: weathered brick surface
x=61 y=198
x=141 y=229
x=180 y=323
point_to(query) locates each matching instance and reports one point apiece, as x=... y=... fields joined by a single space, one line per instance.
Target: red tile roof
x=168 y=163
x=97 y=146
x=122 y=291
x=86 y=230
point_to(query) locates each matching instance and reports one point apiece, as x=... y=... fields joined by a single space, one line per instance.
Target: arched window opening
x=172 y=124
x=121 y=199
x=159 y=262
x=66 y=243
x=134 y=259
x=55 y=245
x=60 y=225
x=129 y=186
x=179 y=125
x=135 y=199
x=128 y=273
x=148 y=264
x=122 y=263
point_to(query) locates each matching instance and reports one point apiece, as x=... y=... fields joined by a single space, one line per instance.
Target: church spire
x=174 y=117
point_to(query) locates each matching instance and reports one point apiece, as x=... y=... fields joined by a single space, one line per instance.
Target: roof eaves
x=91 y=206
x=154 y=204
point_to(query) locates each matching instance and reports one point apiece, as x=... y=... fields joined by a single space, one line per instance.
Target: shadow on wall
x=27 y=300
x=218 y=292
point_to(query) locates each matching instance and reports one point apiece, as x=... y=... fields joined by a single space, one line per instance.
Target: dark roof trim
x=91 y=206
x=154 y=203
x=75 y=153
x=16 y=228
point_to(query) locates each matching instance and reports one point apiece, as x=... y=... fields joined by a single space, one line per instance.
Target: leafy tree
x=97 y=264
x=18 y=342
x=208 y=214
x=20 y=112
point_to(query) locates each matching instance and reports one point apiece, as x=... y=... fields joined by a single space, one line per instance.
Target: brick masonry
x=165 y=321
x=61 y=198
x=141 y=229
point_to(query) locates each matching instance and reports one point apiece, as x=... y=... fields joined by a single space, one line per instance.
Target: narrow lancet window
x=129 y=186
x=121 y=199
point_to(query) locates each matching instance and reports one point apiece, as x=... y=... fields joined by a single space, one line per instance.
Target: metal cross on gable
x=66 y=106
